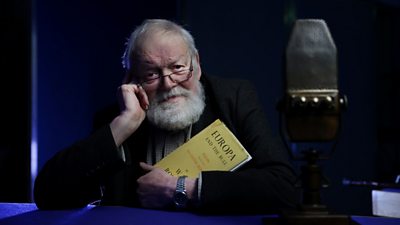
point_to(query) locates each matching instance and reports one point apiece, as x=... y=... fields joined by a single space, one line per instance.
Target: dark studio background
x=71 y=52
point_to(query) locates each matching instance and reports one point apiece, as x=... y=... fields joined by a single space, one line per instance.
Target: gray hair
x=148 y=27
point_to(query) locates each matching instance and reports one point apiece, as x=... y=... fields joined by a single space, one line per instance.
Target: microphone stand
x=311 y=178
x=312 y=211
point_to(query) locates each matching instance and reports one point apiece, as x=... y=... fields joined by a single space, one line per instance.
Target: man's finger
x=146 y=167
x=144 y=101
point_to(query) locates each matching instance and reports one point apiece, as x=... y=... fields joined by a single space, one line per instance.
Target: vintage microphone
x=310 y=113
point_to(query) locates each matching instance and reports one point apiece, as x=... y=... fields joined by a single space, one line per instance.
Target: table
x=27 y=213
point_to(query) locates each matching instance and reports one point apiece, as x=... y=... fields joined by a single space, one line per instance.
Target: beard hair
x=177 y=115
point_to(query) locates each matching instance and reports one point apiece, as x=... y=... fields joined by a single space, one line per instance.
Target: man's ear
x=197 y=58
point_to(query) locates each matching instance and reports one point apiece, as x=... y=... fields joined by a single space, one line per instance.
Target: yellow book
x=214 y=148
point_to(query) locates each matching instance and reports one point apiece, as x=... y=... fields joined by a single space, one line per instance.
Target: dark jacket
x=92 y=168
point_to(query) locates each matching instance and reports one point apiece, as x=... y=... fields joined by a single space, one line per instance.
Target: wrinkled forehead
x=159 y=44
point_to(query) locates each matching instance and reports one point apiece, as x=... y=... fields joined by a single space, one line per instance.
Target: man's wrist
x=180 y=196
x=121 y=129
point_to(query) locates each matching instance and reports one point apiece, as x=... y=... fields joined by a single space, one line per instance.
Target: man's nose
x=167 y=83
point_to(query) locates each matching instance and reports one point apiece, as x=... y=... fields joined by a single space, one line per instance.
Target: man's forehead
x=166 y=44
x=162 y=56
x=152 y=59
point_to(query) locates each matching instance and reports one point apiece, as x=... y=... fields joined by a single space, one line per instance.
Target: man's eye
x=178 y=67
x=151 y=76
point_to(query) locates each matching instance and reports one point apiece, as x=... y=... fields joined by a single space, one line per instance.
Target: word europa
x=230 y=154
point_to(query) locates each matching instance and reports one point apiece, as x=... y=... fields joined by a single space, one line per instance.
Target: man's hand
x=133 y=103
x=156 y=188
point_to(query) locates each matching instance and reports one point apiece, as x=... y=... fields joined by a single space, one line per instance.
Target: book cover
x=386 y=202
x=214 y=148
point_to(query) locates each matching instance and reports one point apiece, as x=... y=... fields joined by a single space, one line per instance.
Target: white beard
x=177 y=115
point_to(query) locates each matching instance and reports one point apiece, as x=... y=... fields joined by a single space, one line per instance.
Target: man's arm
x=133 y=103
x=73 y=177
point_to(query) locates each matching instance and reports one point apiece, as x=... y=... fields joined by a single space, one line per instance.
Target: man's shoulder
x=219 y=79
x=224 y=83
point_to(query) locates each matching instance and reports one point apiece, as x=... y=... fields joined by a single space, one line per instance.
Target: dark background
x=61 y=62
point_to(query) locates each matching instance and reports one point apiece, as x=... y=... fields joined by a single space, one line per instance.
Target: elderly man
x=165 y=100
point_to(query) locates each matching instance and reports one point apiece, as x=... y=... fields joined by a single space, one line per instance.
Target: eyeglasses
x=177 y=77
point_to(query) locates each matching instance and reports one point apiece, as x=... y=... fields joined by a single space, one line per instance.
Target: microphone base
x=309 y=218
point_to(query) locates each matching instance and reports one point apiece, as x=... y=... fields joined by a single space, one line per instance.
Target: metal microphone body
x=311 y=103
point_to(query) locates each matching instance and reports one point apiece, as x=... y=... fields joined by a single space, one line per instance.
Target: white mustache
x=177 y=91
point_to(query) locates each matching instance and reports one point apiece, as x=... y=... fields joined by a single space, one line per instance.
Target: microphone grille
x=311 y=56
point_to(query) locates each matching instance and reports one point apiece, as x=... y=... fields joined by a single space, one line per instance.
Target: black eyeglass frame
x=189 y=75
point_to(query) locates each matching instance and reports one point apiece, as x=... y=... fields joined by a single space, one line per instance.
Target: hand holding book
x=214 y=148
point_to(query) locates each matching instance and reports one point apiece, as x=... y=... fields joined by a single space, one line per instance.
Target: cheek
x=190 y=84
